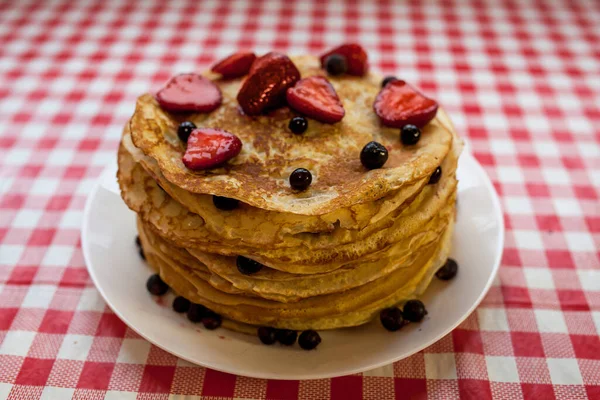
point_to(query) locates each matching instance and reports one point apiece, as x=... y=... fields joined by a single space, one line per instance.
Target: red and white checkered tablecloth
x=520 y=79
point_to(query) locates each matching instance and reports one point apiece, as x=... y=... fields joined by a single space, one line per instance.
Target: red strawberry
x=356 y=57
x=269 y=78
x=189 y=92
x=398 y=104
x=207 y=148
x=235 y=65
x=261 y=62
x=315 y=97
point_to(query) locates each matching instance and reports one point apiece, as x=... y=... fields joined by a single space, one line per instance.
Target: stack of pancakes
x=355 y=242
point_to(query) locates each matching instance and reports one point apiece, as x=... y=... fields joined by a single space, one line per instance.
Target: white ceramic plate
x=112 y=259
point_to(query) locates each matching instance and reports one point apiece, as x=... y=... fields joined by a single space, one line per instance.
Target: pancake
x=264 y=227
x=355 y=242
x=348 y=308
x=182 y=257
x=285 y=287
x=258 y=175
x=185 y=229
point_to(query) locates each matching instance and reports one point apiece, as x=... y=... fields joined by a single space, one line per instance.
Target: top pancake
x=259 y=175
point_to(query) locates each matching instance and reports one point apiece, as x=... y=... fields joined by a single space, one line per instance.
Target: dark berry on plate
x=225 y=203
x=336 y=64
x=286 y=336
x=414 y=311
x=248 y=266
x=138 y=242
x=300 y=179
x=410 y=134
x=298 y=125
x=156 y=285
x=448 y=271
x=211 y=320
x=184 y=130
x=309 y=339
x=267 y=335
x=391 y=318
x=387 y=80
x=373 y=155
x=142 y=255
x=181 y=304
x=196 y=312
x=435 y=177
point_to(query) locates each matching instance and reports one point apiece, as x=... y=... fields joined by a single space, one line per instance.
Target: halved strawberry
x=399 y=104
x=189 y=92
x=316 y=98
x=207 y=148
x=261 y=61
x=356 y=57
x=235 y=65
x=269 y=78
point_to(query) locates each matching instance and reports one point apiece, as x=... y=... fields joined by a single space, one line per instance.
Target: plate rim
x=466 y=156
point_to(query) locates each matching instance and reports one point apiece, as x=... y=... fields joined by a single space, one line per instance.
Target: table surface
x=521 y=81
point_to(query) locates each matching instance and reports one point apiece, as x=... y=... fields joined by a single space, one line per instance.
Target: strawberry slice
x=261 y=62
x=189 y=92
x=235 y=65
x=269 y=78
x=207 y=148
x=399 y=104
x=316 y=98
x=356 y=57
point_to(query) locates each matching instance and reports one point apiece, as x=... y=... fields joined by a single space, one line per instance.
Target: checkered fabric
x=520 y=79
